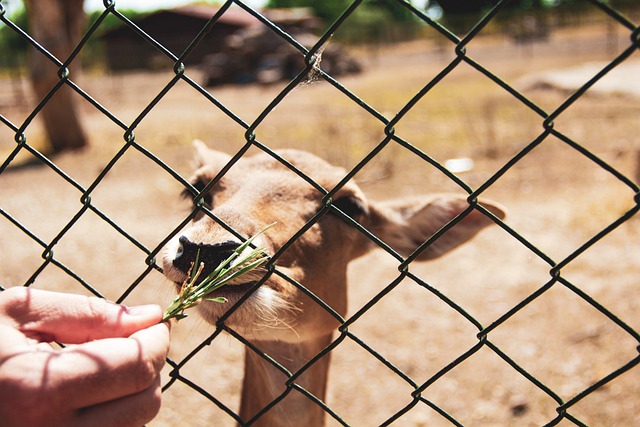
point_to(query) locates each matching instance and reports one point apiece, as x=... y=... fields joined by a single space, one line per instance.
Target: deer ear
x=205 y=156
x=407 y=223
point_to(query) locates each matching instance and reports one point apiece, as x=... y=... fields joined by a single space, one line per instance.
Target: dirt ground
x=557 y=198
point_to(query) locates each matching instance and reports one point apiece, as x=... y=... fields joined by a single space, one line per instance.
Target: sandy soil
x=558 y=199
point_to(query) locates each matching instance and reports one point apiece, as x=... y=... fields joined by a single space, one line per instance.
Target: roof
x=233 y=16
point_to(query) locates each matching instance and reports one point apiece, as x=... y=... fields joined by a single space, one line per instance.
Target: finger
x=108 y=369
x=77 y=376
x=13 y=342
x=53 y=316
x=129 y=411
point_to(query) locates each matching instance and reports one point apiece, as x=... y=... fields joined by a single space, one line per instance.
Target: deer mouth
x=181 y=259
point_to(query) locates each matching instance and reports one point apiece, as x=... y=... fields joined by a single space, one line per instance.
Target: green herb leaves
x=236 y=265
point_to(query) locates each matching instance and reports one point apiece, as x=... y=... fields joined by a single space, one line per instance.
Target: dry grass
x=556 y=198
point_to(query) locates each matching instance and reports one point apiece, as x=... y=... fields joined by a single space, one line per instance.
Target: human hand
x=107 y=376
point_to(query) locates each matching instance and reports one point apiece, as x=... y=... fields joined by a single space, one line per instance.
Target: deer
x=278 y=317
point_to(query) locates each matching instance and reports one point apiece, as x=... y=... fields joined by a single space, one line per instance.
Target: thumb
x=72 y=319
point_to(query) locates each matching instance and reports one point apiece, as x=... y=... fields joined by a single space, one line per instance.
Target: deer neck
x=264 y=383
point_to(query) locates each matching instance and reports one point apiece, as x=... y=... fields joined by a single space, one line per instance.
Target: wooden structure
x=176 y=28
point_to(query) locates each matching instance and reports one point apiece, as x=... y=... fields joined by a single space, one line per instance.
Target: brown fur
x=279 y=318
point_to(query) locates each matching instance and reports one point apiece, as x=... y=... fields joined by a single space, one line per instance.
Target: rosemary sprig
x=236 y=265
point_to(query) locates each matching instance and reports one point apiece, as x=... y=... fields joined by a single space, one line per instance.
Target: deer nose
x=209 y=254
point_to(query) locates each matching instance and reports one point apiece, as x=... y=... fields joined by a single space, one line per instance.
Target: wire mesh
x=420 y=388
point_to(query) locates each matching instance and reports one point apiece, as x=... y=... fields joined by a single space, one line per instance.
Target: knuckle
x=145 y=374
x=96 y=310
x=91 y=313
x=12 y=298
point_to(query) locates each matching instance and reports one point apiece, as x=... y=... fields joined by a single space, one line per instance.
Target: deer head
x=260 y=190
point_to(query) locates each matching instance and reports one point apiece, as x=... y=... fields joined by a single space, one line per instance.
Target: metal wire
x=459 y=45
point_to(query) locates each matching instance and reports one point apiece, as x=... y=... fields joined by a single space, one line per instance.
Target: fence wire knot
x=444 y=368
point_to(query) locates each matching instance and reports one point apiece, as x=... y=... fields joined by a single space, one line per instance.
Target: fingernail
x=144 y=310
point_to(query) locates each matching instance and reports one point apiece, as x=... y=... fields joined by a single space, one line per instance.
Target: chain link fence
x=421 y=395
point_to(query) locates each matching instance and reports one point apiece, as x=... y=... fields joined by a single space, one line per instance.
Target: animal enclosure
x=535 y=322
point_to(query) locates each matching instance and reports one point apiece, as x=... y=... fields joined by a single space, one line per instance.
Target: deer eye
x=351 y=206
x=198 y=185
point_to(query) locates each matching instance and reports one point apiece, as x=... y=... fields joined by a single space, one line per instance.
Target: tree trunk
x=58 y=26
